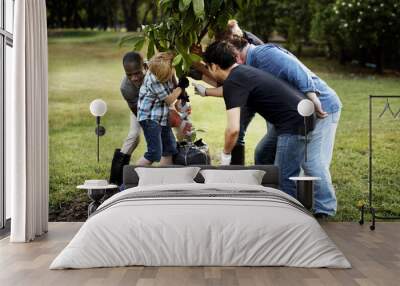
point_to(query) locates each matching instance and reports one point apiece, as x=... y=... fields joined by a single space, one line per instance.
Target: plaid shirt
x=151 y=104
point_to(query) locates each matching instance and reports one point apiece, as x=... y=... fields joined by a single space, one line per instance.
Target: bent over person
x=284 y=65
x=130 y=86
x=269 y=96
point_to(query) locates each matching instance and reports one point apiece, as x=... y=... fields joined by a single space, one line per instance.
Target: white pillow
x=248 y=177
x=166 y=176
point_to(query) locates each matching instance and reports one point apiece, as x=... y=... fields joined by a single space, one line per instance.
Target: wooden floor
x=375 y=257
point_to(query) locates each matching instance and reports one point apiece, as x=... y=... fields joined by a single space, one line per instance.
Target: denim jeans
x=320 y=151
x=160 y=140
x=289 y=156
x=264 y=153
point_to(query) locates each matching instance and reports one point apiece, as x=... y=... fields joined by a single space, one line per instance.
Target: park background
x=353 y=45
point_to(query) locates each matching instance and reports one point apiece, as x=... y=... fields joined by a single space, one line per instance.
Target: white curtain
x=27 y=124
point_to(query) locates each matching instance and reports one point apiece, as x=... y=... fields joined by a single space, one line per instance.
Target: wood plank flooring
x=375 y=257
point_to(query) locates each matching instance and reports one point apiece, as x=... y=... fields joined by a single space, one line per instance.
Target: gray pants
x=133 y=138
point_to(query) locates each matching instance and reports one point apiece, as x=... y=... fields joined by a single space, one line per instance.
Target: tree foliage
x=372 y=26
x=101 y=14
x=184 y=24
x=259 y=19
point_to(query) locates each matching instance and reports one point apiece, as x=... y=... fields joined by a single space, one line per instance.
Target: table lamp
x=305 y=108
x=98 y=108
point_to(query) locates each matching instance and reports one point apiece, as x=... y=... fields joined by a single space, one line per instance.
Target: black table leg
x=95 y=195
x=305 y=192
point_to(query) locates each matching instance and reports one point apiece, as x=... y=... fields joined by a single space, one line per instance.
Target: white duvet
x=185 y=230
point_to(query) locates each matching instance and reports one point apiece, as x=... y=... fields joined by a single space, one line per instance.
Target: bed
x=201 y=224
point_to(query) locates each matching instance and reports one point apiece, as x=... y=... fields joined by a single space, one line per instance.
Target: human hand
x=318 y=109
x=199 y=89
x=177 y=91
x=185 y=127
x=317 y=104
x=225 y=159
x=196 y=49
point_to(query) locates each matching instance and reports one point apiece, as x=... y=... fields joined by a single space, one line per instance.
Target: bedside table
x=97 y=194
x=305 y=190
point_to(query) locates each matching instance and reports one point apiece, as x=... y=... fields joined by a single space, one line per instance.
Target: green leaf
x=198 y=8
x=186 y=64
x=150 y=49
x=177 y=60
x=132 y=40
x=184 y=5
x=139 y=44
x=195 y=58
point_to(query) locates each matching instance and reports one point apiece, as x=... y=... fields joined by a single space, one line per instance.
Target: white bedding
x=184 y=230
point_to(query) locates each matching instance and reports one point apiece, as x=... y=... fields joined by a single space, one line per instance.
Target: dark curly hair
x=132 y=57
x=220 y=53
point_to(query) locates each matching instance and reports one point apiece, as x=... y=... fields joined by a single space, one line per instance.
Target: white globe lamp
x=305 y=108
x=98 y=108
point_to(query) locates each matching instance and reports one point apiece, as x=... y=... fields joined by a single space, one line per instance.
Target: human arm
x=203 y=91
x=290 y=69
x=301 y=78
x=171 y=98
x=162 y=90
x=317 y=104
x=131 y=98
x=232 y=129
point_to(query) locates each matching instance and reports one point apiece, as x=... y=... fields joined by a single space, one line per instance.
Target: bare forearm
x=215 y=92
x=230 y=140
x=209 y=80
x=202 y=68
x=170 y=99
x=312 y=96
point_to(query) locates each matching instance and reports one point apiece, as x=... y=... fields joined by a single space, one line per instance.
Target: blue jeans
x=289 y=156
x=264 y=153
x=160 y=140
x=320 y=151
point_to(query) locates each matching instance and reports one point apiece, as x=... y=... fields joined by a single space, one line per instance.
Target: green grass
x=86 y=65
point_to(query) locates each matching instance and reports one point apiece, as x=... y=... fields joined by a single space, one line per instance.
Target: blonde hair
x=161 y=66
x=234 y=29
x=231 y=30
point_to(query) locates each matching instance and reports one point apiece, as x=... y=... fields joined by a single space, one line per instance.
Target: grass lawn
x=87 y=65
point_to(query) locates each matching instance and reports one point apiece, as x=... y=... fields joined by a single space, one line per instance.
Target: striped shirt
x=151 y=104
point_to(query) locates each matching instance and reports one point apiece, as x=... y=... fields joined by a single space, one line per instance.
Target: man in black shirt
x=265 y=148
x=272 y=98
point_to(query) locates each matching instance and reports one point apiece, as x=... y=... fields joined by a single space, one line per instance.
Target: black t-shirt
x=269 y=96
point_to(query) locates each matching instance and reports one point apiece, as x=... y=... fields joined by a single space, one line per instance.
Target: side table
x=97 y=194
x=305 y=190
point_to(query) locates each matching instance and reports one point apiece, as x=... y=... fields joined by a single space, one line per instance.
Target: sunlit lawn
x=87 y=65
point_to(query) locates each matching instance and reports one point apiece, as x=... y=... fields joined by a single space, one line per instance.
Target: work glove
x=199 y=89
x=225 y=159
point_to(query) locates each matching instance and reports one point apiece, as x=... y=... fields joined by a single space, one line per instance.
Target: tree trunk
x=154 y=12
x=299 y=49
x=130 y=14
x=379 y=59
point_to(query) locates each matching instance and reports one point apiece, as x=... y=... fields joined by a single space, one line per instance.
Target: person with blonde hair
x=156 y=95
x=233 y=30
